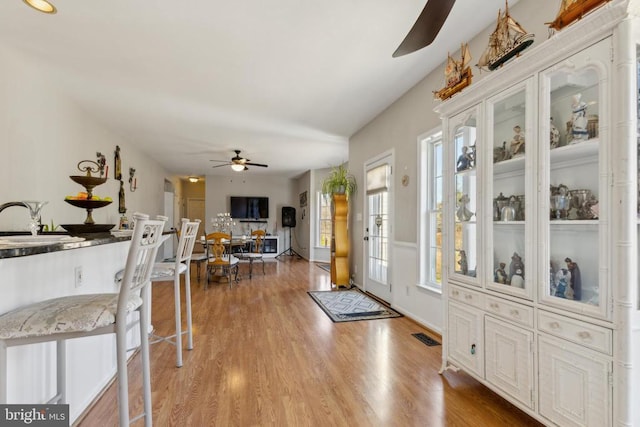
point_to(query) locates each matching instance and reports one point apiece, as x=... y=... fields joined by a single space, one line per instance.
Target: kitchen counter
x=90 y=240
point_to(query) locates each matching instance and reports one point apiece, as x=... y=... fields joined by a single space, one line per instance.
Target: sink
x=39 y=240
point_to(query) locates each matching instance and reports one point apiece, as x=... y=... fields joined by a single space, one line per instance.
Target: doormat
x=324 y=266
x=426 y=339
x=351 y=305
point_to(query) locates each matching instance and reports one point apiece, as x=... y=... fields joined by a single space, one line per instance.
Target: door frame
x=389 y=157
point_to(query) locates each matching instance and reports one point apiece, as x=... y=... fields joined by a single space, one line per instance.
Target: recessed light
x=193 y=179
x=42 y=6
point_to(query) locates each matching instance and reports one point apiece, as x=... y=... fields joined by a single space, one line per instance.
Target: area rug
x=351 y=305
x=325 y=267
x=426 y=339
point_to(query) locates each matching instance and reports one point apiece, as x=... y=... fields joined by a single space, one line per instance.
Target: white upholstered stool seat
x=65 y=314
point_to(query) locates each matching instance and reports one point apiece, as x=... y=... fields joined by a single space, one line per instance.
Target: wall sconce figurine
x=102 y=165
x=133 y=182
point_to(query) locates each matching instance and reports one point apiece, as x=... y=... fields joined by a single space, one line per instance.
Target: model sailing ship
x=506 y=41
x=571 y=10
x=457 y=74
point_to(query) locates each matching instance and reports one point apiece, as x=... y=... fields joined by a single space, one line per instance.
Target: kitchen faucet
x=34 y=212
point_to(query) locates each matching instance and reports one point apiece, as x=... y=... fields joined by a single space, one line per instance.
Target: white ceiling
x=286 y=81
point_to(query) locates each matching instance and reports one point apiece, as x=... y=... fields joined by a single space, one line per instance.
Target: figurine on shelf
x=464 y=159
x=500 y=275
x=516 y=148
x=552 y=280
x=591 y=208
x=500 y=153
x=517 y=281
x=579 y=130
x=516 y=267
x=575 y=282
x=463 y=213
x=562 y=283
x=554 y=135
x=462 y=263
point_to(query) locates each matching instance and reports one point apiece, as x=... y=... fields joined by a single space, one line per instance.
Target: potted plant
x=339 y=181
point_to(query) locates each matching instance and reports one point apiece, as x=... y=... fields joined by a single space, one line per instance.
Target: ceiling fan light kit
x=42 y=6
x=237 y=163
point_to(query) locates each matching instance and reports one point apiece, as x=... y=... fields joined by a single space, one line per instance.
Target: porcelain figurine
x=579 y=130
x=552 y=280
x=554 y=135
x=562 y=282
x=465 y=159
x=517 y=281
x=575 y=282
x=462 y=263
x=463 y=213
x=516 y=148
x=500 y=275
x=516 y=266
x=501 y=153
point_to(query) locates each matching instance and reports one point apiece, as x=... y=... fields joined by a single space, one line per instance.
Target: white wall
x=280 y=192
x=398 y=127
x=43 y=136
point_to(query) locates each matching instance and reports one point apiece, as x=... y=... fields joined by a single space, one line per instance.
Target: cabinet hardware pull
x=584 y=335
x=468 y=297
x=515 y=313
x=455 y=293
x=554 y=325
x=494 y=306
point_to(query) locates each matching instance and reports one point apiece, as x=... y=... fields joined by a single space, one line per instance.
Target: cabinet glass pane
x=508 y=226
x=465 y=183
x=574 y=186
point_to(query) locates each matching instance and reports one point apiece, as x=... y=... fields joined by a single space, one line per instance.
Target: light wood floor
x=266 y=355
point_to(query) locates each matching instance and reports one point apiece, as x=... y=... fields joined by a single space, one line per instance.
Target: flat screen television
x=249 y=207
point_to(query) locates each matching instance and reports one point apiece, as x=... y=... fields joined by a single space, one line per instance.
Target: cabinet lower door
x=574 y=384
x=465 y=338
x=509 y=359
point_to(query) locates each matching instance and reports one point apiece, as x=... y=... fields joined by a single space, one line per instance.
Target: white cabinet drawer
x=510 y=310
x=586 y=334
x=466 y=296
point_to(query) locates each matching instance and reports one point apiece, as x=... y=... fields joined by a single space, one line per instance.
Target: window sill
x=430 y=288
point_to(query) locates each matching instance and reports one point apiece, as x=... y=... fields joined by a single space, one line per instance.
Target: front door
x=378 y=227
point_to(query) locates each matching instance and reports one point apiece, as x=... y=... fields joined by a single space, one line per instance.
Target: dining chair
x=76 y=316
x=220 y=257
x=256 y=250
x=171 y=271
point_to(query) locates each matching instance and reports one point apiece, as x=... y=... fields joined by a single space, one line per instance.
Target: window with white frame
x=323 y=238
x=430 y=216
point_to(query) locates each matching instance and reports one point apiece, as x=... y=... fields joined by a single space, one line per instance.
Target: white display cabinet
x=544 y=307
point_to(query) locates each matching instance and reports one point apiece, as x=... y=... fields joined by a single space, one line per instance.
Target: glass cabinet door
x=575 y=181
x=464 y=260
x=508 y=181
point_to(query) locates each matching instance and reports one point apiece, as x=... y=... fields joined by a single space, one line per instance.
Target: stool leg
x=146 y=365
x=187 y=289
x=61 y=374
x=3 y=372
x=176 y=296
x=121 y=357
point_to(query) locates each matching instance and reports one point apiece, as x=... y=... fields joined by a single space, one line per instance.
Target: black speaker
x=288 y=216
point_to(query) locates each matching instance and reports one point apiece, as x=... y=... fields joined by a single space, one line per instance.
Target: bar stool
x=165 y=271
x=78 y=316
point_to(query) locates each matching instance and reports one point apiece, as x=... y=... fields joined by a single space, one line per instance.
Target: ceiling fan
x=426 y=28
x=238 y=163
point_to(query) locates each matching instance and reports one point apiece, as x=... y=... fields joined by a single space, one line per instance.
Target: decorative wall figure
x=117 y=164
x=121 y=205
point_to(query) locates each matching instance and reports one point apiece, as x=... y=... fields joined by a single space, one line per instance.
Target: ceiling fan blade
x=221 y=165
x=219 y=161
x=256 y=164
x=426 y=28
